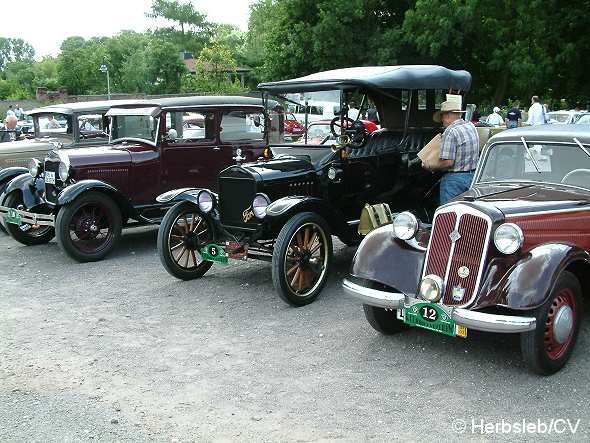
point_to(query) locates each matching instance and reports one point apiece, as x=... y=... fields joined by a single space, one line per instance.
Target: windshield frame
x=485 y=155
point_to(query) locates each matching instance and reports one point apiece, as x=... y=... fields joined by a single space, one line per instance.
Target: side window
x=438 y=98
x=187 y=127
x=241 y=125
x=421 y=99
x=92 y=127
x=405 y=99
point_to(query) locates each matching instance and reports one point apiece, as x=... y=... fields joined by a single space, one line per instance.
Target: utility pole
x=105 y=69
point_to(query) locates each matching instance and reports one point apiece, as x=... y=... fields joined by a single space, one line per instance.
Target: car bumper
x=8 y=216
x=475 y=320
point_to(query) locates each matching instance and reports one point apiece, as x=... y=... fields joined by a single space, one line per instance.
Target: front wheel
x=384 y=320
x=89 y=228
x=301 y=259
x=547 y=348
x=183 y=232
x=27 y=234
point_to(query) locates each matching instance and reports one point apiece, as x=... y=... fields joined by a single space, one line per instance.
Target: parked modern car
x=511 y=255
x=286 y=208
x=584 y=119
x=293 y=129
x=85 y=196
x=562 y=117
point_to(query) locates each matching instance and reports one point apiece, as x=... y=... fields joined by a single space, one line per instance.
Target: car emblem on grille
x=454 y=236
x=463 y=272
x=247 y=214
x=458 y=293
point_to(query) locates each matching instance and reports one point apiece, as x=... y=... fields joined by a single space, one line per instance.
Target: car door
x=191 y=154
x=243 y=128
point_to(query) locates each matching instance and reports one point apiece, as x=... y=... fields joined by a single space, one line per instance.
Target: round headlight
x=34 y=167
x=508 y=238
x=259 y=205
x=332 y=173
x=431 y=288
x=205 y=200
x=405 y=225
x=64 y=172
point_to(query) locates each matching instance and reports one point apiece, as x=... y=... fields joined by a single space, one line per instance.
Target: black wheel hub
x=87 y=227
x=191 y=241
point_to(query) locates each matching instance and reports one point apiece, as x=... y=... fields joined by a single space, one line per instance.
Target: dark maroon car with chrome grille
x=85 y=196
x=511 y=255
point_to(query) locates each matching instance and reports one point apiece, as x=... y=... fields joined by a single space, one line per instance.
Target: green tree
x=14 y=50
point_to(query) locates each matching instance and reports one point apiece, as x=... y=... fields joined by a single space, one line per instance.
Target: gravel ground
x=120 y=351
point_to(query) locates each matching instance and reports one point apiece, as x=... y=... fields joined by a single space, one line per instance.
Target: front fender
x=284 y=208
x=71 y=192
x=528 y=282
x=389 y=261
x=31 y=189
x=8 y=174
x=183 y=194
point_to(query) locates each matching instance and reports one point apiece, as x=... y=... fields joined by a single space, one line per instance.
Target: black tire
x=541 y=350
x=384 y=321
x=308 y=257
x=30 y=236
x=188 y=239
x=89 y=228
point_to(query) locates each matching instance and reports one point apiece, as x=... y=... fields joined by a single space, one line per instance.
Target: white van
x=317 y=110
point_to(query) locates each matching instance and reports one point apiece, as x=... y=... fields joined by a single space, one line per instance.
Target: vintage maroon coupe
x=510 y=255
x=85 y=196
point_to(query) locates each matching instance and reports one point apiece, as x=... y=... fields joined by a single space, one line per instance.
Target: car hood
x=95 y=156
x=278 y=168
x=525 y=197
x=35 y=145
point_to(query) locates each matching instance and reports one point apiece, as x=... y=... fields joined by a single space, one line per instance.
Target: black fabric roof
x=375 y=77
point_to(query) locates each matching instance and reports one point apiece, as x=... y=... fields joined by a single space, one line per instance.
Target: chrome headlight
x=508 y=238
x=64 y=171
x=405 y=225
x=431 y=288
x=259 y=205
x=35 y=167
x=205 y=200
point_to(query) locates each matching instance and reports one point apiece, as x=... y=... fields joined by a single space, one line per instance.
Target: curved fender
x=8 y=174
x=30 y=187
x=183 y=194
x=528 y=282
x=70 y=193
x=389 y=261
x=285 y=207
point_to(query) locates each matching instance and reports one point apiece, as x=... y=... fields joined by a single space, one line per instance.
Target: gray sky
x=45 y=23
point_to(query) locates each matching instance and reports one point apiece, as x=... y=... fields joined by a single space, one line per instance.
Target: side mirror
x=257 y=121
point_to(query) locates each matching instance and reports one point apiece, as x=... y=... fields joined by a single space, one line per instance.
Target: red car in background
x=319 y=133
x=293 y=130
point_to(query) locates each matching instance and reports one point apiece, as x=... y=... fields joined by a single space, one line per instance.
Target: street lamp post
x=105 y=69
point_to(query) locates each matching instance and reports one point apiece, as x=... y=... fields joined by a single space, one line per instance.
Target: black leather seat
x=384 y=142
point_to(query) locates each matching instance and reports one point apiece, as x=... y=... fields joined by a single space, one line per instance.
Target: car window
x=241 y=125
x=548 y=163
x=143 y=127
x=92 y=127
x=421 y=99
x=54 y=125
x=584 y=120
x=190 y=126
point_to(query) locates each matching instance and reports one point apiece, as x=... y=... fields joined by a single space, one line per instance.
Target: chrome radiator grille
x=459 y=240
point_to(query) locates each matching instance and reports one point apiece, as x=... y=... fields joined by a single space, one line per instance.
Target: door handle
x=216 y=148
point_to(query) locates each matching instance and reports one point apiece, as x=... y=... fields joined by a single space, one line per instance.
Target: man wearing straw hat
x=459 y=151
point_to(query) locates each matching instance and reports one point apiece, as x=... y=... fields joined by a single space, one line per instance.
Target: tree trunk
x=501 y=88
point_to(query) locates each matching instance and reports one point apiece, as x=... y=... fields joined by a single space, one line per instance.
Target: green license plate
x=434 y=318
x=13 y=217
x=214 y=253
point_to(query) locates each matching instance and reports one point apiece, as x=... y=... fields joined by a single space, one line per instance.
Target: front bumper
x=475 y=320
x=30 y=218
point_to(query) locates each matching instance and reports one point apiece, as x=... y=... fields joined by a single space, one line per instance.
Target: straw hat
x=448 y=106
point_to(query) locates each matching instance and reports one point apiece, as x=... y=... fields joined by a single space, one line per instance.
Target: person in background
x=536 y=112
x=475 y=116
x=10 y=133
x=459 y=151
x=353 y=112
x=10 y=111
x=52 y=123
x=18 y=112
x=513 y=116
x=495 y=118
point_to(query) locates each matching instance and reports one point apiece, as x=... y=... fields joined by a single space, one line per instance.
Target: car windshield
x=584 y=120
x=542 y=162
x=54 y=125
x=559 y=117
x=141 y=127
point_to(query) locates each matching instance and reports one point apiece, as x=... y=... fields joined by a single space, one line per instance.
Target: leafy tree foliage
x=14 y=50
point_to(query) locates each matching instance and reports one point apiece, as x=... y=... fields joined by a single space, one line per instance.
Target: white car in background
x=562 y=117
x=583 y=119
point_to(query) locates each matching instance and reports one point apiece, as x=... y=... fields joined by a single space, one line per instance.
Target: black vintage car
x=286 y=208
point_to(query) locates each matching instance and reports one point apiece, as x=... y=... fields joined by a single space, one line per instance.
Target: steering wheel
x=354 y=130
x=576 y=172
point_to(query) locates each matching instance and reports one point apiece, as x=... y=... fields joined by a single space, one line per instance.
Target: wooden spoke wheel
x=301 y=258
x=183 y=233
